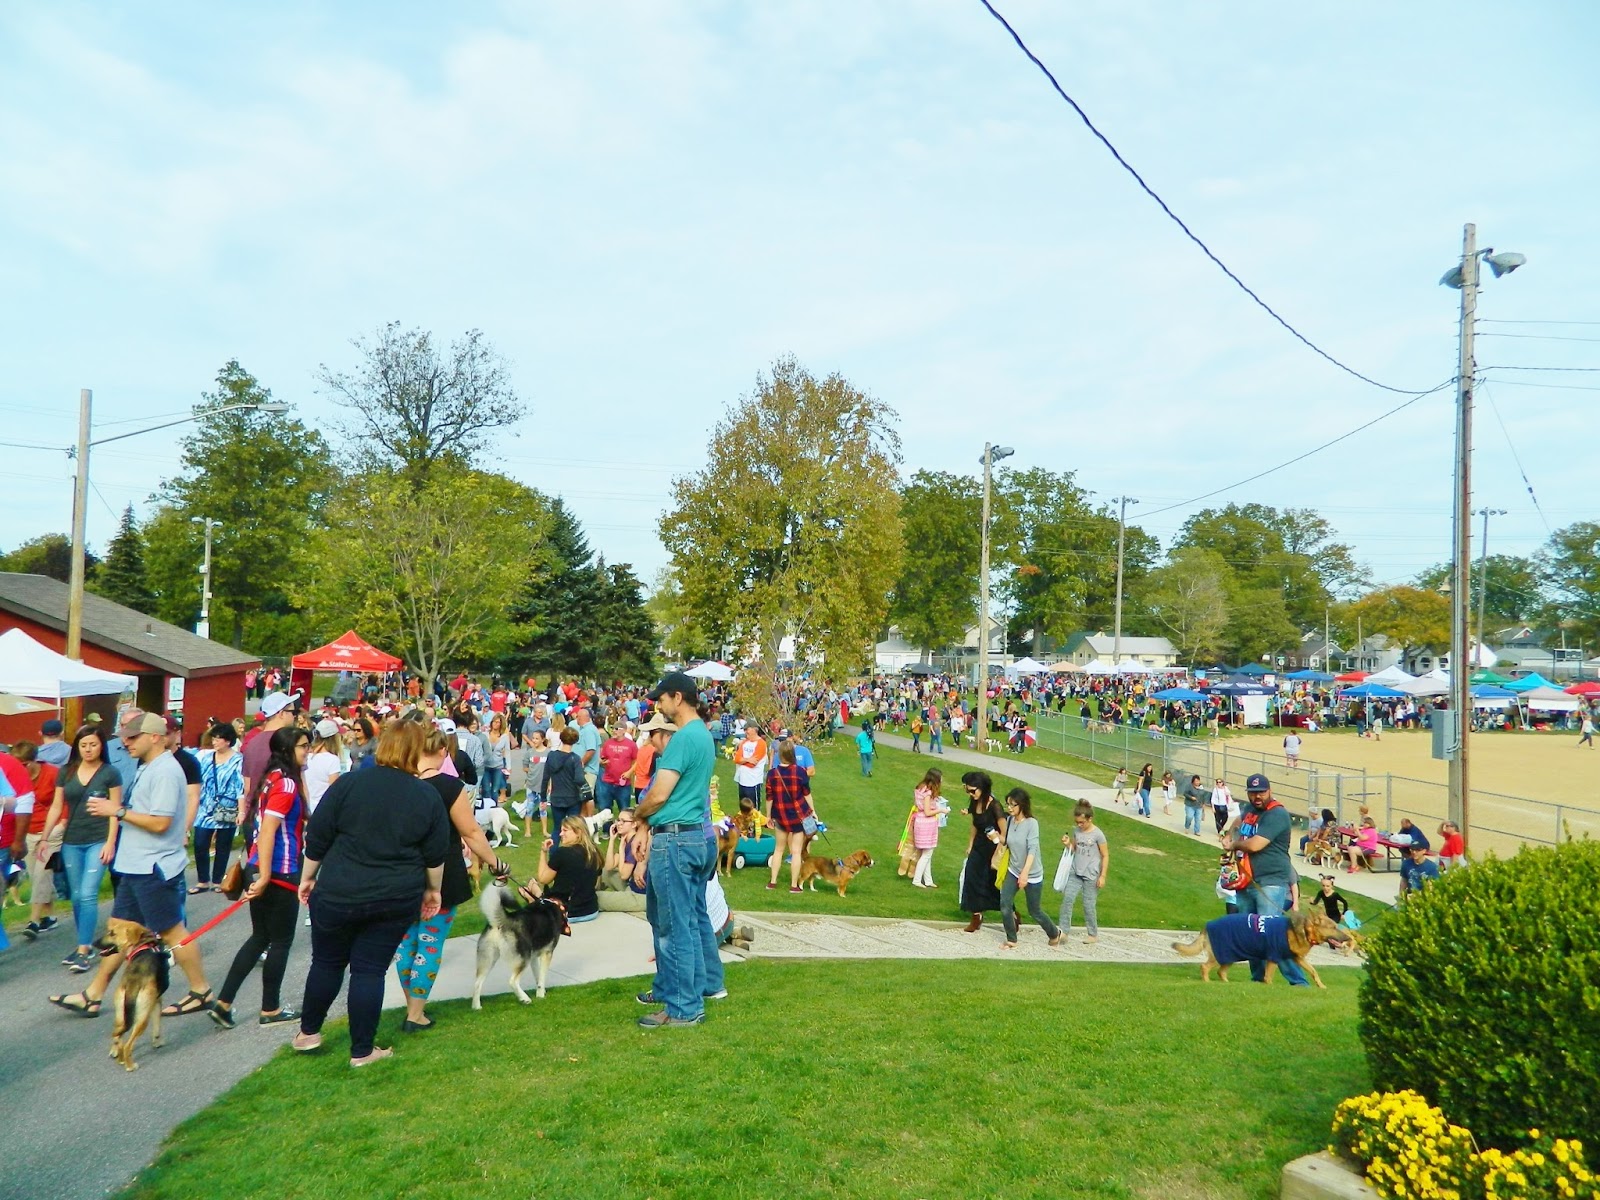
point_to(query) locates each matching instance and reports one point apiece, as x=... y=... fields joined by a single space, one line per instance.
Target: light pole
x=991 y=455
x=1116 y=621
x=1465 y=278
x=204 y=626
x=1483 y=568
x=80 y=495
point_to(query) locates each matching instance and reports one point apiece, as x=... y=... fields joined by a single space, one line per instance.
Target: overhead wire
x=1539 y=337
x=1488 y=394
x=1526 y=321
x=1178 y=221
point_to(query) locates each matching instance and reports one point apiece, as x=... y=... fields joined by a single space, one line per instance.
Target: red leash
x=228 y=912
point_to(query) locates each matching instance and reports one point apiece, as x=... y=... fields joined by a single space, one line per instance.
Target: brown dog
x=743 y=826
x=1234 y=931
x=136 y=1002
x=837 y=871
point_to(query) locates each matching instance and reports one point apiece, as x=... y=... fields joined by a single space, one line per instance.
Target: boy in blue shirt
x=867 y=746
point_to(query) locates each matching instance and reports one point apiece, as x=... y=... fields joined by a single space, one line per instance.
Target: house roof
x=124 y=630
x=1102 y=643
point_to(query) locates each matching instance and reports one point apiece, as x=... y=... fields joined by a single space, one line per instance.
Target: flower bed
x=1409 y=1151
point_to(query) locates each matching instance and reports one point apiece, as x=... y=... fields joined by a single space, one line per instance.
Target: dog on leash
x=742 y=824
x=496 y=824
x=136 y=1002
x=837 y=871
x=1238 y=936
x=523 y=933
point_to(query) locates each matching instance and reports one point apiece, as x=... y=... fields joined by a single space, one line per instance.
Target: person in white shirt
x=323 y=766
x=1291 y=750
x=1223 y=806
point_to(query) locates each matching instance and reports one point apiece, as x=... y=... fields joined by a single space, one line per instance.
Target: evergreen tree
x=624 y=634
x=122 y=576
x=562 y=608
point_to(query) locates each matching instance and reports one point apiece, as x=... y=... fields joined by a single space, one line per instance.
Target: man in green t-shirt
x=683 y=857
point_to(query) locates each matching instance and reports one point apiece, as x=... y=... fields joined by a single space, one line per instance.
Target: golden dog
x=1305 y=930
x=744 y=826
x=136 y=1002
x=837 y=871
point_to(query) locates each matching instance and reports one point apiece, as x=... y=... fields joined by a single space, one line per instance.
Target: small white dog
x=497 y=824
x=597 y=822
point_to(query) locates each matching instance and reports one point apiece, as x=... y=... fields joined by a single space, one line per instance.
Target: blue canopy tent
x=1371 y=691
x=1529 y=682
x=1179 y=693
x=1488 y=691
x=1255 y=670
x=1311 y=676
x=1242 y=688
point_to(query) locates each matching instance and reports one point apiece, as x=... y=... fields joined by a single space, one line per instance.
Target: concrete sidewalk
x=1383 y=886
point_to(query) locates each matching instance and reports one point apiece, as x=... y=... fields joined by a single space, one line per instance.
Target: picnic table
x=1393 y=851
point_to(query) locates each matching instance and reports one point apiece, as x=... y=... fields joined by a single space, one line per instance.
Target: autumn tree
x=1188 y=596
x=792 y=527
x=1413 y=618
x=265 y=478
x=434 y=571
x=936 y=597
x=122 y=576
x=411 y=404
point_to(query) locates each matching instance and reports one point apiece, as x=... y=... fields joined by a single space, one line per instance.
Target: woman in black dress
x=979 y=892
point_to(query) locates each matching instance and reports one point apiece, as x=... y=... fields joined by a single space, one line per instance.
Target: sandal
x=192 y=1003
x=198 y=888
x=86 y=1007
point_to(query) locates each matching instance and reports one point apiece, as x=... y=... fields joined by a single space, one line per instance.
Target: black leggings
x=363 y=937
x=205 y=869
x=274 y=915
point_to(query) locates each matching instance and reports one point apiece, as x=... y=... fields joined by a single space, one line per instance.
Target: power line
x=1302 y=457
x=1540 y=337
x=1515 y=457
x=1563 y=387
x=1178 y=221
x=1509 y=321
x=1570 y=370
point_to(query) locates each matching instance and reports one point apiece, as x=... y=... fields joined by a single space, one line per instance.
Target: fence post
x=1388 y=800
x=1338 y=797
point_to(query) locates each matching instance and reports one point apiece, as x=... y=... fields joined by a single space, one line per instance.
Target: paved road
x=81 y=1125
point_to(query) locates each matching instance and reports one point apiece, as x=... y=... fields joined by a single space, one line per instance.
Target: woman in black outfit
x=563 y=783
x=979 y=892
x=375 y=851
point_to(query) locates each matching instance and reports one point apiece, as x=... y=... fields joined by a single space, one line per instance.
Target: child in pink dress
x=925 y=829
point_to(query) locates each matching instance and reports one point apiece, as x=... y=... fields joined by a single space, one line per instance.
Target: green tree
x=432 y=571
x=561 y=604
x=1570 y=564
x=1189 y=599
x=122 y=576
x=792 y=528
x=1515 y=592
x=266 y=479
x=410 y=405
x=624 y=635
x=49 y=554
x=1413 y=618
x=1258 y=624
x=681 y=634
x=936 y=597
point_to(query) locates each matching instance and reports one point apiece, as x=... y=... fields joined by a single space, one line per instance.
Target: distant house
x=1375 y=652
x=1081 y=649
x=1314 y=653
x=894 y=653
x=178 y=671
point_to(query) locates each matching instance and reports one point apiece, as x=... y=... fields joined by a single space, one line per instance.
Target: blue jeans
x=866 y=764
x=493 y=782
x=1270 y=900
x=5 y=872
x=84 y=871
x=1191 y=818
x=615 y=796
x=688 y=967
x=935 y=742
x=1144 y=802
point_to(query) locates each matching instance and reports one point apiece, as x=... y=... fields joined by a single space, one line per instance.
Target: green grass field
x=862 y=1079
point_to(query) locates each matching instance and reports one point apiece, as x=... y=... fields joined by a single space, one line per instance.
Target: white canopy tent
x=1128 y=667
x=1099 y=667
x=1426 y=685
x=1395 y=677
x=1027 y=666
x=28 y=668
x=712 y=670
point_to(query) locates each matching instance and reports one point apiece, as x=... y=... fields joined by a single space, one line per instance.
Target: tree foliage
x=1414 y=618
x=1188 y=597
x=677 y=626
x=1515 y=594
x=623 y=635
x=433 y=571
x=936 y=597
x=49 y=554
x=1570 y=563
x=792 y=526
x=266 y=479
x=561 y=604
x=409 y=406
x=122 y=576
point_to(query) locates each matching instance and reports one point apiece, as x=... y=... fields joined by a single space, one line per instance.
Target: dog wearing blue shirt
x=1240 y=936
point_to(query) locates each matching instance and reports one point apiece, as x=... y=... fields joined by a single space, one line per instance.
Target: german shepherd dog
x=136 y=1002
x=837 y=871
x=524 y=933
x=1305 y=930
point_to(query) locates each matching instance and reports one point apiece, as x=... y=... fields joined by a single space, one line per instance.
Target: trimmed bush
x=1482 y=992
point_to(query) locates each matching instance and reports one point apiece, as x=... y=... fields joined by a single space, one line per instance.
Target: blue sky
x=643 y=204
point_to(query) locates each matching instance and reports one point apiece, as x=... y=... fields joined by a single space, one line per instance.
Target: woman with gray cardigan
x=1025 y=871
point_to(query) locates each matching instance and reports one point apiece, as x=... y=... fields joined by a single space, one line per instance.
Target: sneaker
x=71 y=958
x=282 y=1016
x=31 y=931
x=222 y=1016
x=49 y=923
x=83 y=961
x=647 y=998
x=719 y=994
x=1091 y=940
x=660 y=1020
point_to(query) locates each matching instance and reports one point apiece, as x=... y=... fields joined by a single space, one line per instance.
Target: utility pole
x=204 y=626
x=72 y=707
x=1327 y=638
x=1461 y=555
x=991 y=454
x=1483 y=566
x=1122 y=530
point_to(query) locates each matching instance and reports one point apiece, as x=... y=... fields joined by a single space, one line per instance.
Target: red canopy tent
x=1584 y=689
x=1350 y=677
x=351 y=652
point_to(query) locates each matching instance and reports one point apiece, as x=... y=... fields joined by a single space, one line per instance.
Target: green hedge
x=1482 y=992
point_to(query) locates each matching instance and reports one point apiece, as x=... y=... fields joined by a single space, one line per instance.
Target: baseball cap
x=446 y=725
x=327 y=728
x=173 y=723
x=135 y=722
x=657 y=721
x=1257 y=783
x=676 y=681
x=52 y=728
x=274 y=703
x=128 y=722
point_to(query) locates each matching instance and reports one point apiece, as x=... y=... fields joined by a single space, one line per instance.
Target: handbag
x=235 y=879
x=808 y=825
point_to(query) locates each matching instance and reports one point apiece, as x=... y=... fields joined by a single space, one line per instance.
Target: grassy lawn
x=865 y=1079
x=1158 y=880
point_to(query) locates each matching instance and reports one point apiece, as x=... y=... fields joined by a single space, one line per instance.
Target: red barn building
x=178 y=671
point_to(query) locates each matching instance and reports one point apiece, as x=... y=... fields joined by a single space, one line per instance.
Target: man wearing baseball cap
x=1262 y=833
x=278 y=711
x=151 y=859
x=683 y=858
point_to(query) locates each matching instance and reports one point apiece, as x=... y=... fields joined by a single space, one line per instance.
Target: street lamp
x=80 y=497
x=203 y=629
x=991 y=455
x=1465 y=277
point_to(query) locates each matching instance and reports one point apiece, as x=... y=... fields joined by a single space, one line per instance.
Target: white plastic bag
x=1062 y=869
